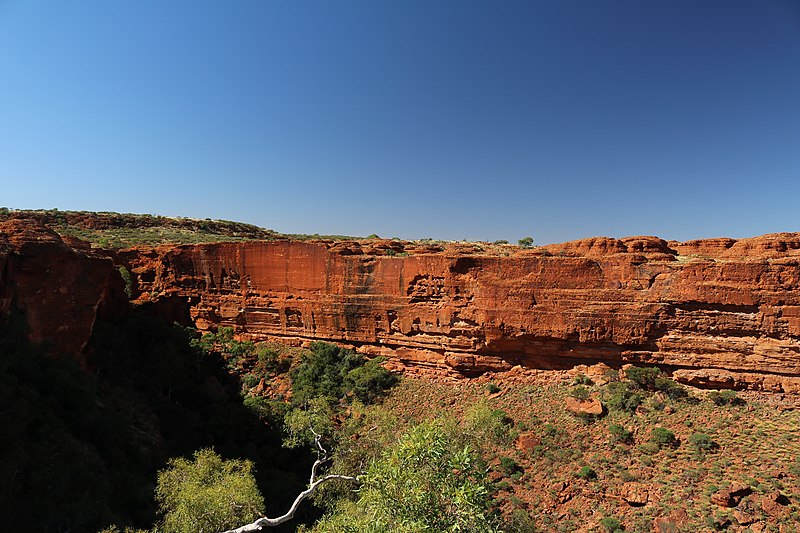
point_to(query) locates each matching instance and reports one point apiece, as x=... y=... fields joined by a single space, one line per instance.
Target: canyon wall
x=716 y=312
x=719 y=312
x=59 y=285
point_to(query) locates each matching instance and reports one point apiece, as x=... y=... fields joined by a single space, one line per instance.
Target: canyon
x=718 y=313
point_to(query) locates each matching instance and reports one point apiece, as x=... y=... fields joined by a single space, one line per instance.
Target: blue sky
x=445 y=119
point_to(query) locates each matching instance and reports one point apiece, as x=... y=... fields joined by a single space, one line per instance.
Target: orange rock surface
x=714 y=304
x=721 y=313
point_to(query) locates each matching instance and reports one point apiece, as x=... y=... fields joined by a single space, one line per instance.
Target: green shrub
x=487 y=426
x=586 y=472
x=620 y=434
x=509 y=465
x=725 y=397
x=644 y=377
x=622 y=397
x=492 y=388
x=581 y=379
x=330 y=371
x=663 y=437
x=702 y=442
x=250 y=380
x=126 y=278
x=526 y=242
x=579 y=393
x=611 y=524
x=207 y=493
x=671 y=388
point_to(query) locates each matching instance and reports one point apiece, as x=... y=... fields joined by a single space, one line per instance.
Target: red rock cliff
x=60 y=287
x=723 y=312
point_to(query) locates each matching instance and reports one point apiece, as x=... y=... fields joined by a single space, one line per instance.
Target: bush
x=671 y=388
x=492 y=388
x=702 y=442
x=579 y=393
x=622 y=397
x=644 y=377
x=663 y=437
x=207 y=493
x=611 y=524
x=581 y=379
x=725 y=397
x=586 y=472
x=620 y=434
x=509 y=465
x=330 y=371
x=526 y=242
x=487 y=425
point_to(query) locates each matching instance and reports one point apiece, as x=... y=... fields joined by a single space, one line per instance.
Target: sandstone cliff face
x=60 y=288
x=721 y=304
x=719 y=312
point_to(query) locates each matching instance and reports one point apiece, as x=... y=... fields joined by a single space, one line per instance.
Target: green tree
x=526 y=242
x=333 y=372
x=207 y=494
x=428 y=481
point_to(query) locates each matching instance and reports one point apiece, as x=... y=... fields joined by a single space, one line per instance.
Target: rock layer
x=716 y=304
x=722 y=313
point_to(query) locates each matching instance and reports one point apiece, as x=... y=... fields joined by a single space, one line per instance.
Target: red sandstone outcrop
x=461 y=312
x=59 y=288
x=721 y=312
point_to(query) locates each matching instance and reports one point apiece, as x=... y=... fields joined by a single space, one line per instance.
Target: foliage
x=586 y=472
x=427 y=481
x=526 y=242
x=621 y=396
x=492 y=388
x=126 y=279
x=725 y=397
x=620 y=434
x=702 y=442
x=509 y=465
x=333 y=372
x=611 y=524
x=663 y=437
x=207 y=494
x=484 y=424
x=644 y=377
x=582 y=379
x=579 y=393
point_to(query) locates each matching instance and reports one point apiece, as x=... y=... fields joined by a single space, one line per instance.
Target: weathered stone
x=731 y=496
x=527 y=441
x=727 y=312
x=590 y=406
x=775 y=505
x=635 y=494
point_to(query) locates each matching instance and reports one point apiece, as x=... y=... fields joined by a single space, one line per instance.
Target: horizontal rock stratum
x=718 y=312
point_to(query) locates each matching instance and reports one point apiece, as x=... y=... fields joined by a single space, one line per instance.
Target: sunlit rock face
x=719 y=312
x=459 y=310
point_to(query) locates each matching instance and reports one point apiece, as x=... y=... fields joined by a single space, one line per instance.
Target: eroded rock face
x=60 y=289
x=720 y=312
x=715 y=304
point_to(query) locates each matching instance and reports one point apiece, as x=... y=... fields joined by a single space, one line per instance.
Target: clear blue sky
x=446 y=119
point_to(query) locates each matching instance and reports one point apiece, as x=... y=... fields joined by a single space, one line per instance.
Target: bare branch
x=272 y=522
x=322 y=458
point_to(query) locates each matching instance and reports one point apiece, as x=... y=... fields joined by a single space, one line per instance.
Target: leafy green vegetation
x=333 y=372
x=429 y=480
x=207 y=493
x=526 y=242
